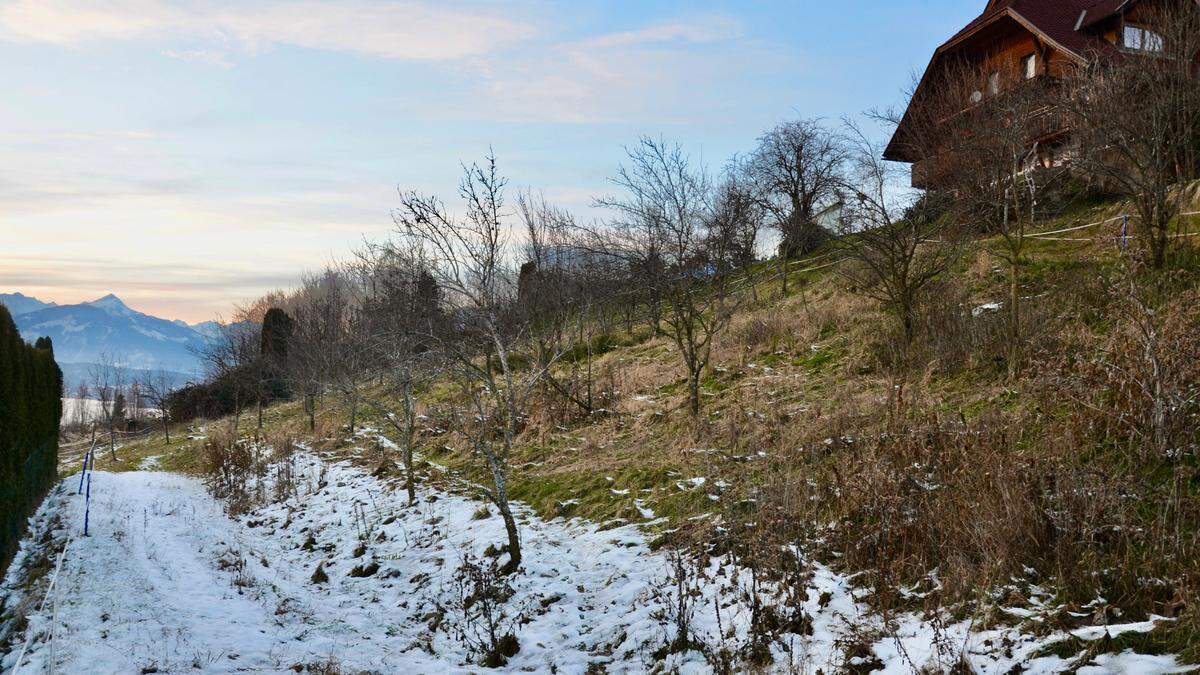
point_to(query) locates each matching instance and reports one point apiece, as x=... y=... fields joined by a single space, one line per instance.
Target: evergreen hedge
x=30 y=411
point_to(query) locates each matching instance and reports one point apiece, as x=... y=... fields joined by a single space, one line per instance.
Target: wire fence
x=51 y=596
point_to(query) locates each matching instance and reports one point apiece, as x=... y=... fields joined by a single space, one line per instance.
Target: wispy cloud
x=414 y=30
x=700 y=30
x=664 y=73
x=209 y=57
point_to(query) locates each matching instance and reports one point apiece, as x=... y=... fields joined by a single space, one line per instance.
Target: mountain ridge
x=108 y=329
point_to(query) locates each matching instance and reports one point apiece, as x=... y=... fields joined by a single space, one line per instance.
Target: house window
x=1029 y=66
x=1142 y=39
x=994 y=82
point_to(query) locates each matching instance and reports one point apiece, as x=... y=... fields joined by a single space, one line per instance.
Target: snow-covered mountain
x=86 y=332
x=19 y=304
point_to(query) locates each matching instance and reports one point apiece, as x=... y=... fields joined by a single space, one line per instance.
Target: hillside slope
x=1042 y=504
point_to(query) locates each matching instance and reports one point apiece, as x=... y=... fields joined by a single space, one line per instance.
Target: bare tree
x=108 y=383
x=667 y=204
x=796 y=169
x=81 y=416
x=1136 y=117
x=561 y=290
x=316 y=307
x=735 y=223
x=470 y=258
x=405 y=312
x=993 y=160
x=896 y=242
x=232 y=358
x=156 y=387
x=347 y=362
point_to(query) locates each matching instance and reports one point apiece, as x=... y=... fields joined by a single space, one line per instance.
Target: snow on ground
x=167 y=581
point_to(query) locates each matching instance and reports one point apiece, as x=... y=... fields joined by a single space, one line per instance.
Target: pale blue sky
x=189 y=155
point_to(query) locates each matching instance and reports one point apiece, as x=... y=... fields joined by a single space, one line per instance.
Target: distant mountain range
x=85 y=333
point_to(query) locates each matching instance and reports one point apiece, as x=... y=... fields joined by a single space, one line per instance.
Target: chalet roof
x=1059 y=21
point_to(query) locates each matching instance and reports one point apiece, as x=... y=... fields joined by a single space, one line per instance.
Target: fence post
x=87 y=505
x=83 y=474
x=1125 y=231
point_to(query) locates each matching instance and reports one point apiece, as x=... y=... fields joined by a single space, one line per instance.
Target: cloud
x=702 y=30
x=414 y=30
x=209 y=57
x=672 y=72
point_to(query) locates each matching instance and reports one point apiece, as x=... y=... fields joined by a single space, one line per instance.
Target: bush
x=229 y=464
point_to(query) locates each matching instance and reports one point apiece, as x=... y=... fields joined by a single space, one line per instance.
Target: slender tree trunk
x=166 y=422
x=1014 y=320
x=514 y=538
x=410 y=477
x=694 y=390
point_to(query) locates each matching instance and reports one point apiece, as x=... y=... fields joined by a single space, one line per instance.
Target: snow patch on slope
x=167 y=580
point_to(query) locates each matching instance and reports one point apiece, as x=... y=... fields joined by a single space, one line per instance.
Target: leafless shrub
x=228 y=464
x=484 y=620
x=676 y=595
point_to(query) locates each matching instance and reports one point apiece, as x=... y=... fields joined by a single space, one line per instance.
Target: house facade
x=1026 y=39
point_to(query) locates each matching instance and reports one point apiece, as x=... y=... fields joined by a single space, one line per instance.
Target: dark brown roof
x=1057 y=20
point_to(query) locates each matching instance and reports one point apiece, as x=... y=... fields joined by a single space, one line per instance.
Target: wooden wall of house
x=1003 y=46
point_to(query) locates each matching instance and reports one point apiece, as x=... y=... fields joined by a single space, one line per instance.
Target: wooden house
x=1031 y=39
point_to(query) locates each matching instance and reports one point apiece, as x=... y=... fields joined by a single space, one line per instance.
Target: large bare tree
x=796 y=170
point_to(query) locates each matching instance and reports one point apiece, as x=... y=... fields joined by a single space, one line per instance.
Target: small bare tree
x=896 y=242
x=734 y=225
x=562 y=288
x=668 y=204
x=1136 y=117
x=156 y=387
x=469 y=257
x=232 y=357
x=108 y=383
x=404 y=305
x=990 y=162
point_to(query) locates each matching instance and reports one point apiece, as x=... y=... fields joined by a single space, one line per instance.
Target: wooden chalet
x=1033 y=39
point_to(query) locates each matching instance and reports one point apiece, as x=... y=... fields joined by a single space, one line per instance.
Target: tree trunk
x=514 y=539
x=783 y=271
x=353 y=413
x=1014 y=319
x=694 y=391
x=166 y=422
x=410 y=475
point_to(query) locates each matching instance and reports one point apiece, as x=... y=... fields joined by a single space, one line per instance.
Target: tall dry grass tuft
x=228 y=463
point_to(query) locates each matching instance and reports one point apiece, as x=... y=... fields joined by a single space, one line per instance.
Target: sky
x=189 y=155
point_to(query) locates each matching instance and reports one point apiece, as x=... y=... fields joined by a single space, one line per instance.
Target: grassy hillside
x=945 y=483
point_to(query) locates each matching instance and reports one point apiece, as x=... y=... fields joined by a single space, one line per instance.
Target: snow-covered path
x=143 y=591
x=167 y=582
